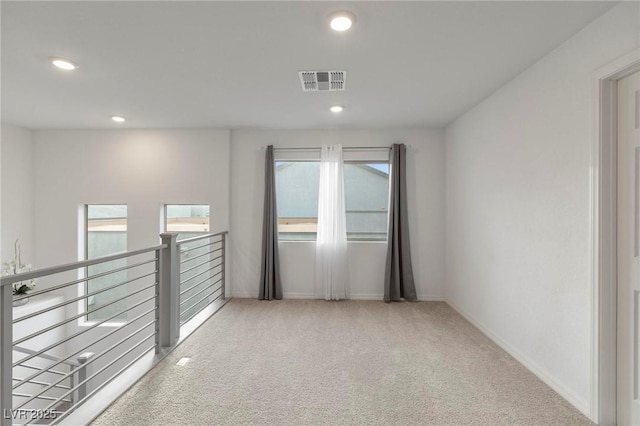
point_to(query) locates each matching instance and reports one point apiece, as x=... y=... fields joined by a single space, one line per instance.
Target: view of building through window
x=106 y=227
x=297 y=188
x=190 y=220
x=366 y=197
x=366 y=187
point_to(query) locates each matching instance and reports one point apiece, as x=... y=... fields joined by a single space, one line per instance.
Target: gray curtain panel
x=398 y=276
x=270 y=287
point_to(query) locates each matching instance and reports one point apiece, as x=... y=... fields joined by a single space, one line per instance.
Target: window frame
x=84 y=272
x=345 y=162
x=370 y=240
x=165 y=218
x=294 y=160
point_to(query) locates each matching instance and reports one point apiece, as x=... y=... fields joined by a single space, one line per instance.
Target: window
x=106 y=227
x=188 y=220
x=366 y=187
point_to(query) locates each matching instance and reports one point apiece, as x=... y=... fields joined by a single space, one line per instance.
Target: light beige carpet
x=310 y=362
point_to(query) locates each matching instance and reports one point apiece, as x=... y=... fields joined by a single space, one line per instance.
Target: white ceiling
x=235 y=64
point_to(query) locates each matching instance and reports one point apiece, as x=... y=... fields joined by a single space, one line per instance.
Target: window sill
x=113 y=324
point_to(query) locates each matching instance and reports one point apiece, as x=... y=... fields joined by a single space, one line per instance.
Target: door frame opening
x=603 y=218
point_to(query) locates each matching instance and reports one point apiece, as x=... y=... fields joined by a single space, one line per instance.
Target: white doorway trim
x=603 y=260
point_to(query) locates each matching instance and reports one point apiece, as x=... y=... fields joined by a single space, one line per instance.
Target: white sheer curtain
x=331 y=245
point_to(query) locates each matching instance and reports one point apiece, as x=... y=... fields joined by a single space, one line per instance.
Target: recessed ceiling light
x=336 y=108
x=341 y=20
x=63 y=64
x=118 y=119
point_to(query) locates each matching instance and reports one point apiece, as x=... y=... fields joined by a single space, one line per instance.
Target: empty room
x=320 y=212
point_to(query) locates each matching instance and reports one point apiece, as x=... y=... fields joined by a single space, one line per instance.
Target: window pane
x=297 y=185
x=366 y=187
x=106 y=234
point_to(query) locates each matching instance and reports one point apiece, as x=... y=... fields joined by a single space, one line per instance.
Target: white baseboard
x=542 y=374
x=430 y=298
x=244 y=295
x=359 y=296
x=293 y=295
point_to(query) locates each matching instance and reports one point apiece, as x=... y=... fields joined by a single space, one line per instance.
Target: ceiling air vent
x=321 y=81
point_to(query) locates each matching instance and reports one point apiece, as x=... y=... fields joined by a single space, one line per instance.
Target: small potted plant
x=15 y=267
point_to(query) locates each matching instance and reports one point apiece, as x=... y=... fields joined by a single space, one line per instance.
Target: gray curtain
x=398 y=276
x=270 y=287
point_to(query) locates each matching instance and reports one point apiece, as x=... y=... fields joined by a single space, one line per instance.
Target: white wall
x=141 y=168
x=425 y=175
x=17 y=192
x=144 y=169
x=517 y=245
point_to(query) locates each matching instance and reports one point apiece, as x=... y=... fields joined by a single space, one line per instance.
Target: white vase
x=20 y=302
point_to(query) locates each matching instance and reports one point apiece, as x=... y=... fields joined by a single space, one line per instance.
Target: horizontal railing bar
x=191 y=268
x=66 y=302
x=45 y=356
x=201 y=237
x=200 y=283
x=200 y=300
x=200 y=291
x=198 y=247
x=87 y=329
x=194 y=286
x=128 y=351
x=83 y=314
x=48 y=398
x=200 y=255
x=78 y=281
x=115 y=330
x=93 y=359
x=33 y=367
x=38 y=382
x=99 y=387
x=147 y=312
x=197 y=312
x=9 y=279
x=198 y=274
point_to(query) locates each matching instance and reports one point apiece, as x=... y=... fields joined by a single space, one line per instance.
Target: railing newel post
x=83 y=372
x=6 y=354
x=169 y=291
x=73 y=396
x=224 y=266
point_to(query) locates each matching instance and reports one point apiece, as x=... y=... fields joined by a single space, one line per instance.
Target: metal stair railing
x=77 y=367
x=204 y=276
x=147 y=321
